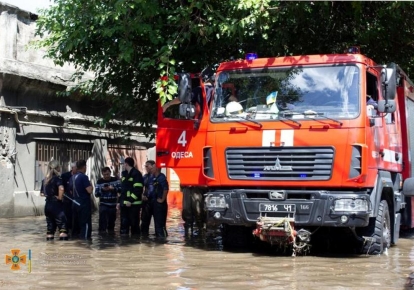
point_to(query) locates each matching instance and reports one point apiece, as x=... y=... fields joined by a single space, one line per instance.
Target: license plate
x=269 y=207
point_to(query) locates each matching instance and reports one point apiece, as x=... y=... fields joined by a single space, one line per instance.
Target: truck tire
x=379 y=228
x=193 y=211
x=187 y=212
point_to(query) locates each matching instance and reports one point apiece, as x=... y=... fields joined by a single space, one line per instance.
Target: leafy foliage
x=129 y=44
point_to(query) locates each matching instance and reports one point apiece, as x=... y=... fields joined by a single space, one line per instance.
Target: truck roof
x=297 y=60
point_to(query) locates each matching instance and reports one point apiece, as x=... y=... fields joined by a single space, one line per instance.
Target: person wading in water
x=53 y=189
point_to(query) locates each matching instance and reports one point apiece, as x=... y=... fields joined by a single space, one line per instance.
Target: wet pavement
x=112 y=262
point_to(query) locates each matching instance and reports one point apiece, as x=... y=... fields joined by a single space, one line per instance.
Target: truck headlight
x=348 y=204
x=216 y=201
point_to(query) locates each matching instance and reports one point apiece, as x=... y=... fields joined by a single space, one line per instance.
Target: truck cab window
x=171 y=108
x=371 y=94
x=266 y=94
x=372 y=86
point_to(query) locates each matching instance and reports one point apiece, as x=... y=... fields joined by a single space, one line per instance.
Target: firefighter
x=131 y=198
x=67 y=203
x=148 y=198
x=81 y=189
x=160 y=206
x=53 y=189
x=107 y=191
x=371 y=103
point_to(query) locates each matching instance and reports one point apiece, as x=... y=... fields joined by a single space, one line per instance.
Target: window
x=117 y=152
x=268 y=93
x=64 y=152
x=372 y=87
x=172 y=111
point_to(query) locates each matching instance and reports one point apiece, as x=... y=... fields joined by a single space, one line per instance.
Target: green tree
x=129 y=44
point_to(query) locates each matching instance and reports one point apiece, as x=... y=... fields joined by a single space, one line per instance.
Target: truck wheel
x=193 y=210
x=379 y=228
x=187 y=213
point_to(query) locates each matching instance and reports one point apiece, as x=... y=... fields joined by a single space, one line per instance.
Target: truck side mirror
x=386 y=106
x=408 y=187
x=184 y=87
x=389 y=81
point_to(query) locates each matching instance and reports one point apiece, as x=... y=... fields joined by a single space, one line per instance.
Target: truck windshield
x=264 y=94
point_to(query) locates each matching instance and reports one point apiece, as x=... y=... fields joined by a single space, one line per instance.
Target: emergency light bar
x=251 y=56
x=354 y=49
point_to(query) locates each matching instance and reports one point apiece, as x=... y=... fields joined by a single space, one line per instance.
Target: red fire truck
x=291 y=145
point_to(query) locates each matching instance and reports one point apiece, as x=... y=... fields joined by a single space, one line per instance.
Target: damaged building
x=36 y=125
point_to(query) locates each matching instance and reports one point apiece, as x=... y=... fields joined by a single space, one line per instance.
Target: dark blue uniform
x=82 y=213
x=372 y=102
x=67 y=203
x=160 y=210
x=55 y=216
x=148 y=205
x=107 y=204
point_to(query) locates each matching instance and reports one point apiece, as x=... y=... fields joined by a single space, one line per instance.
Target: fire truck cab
x=290 y=145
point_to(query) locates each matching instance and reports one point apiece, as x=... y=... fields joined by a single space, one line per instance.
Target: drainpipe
x=16 y=117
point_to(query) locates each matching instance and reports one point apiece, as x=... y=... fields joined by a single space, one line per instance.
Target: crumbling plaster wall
x=28 y=83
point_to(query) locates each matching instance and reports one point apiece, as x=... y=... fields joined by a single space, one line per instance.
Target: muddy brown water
x=112 y=262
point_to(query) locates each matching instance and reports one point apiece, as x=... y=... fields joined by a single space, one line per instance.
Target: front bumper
x=307 y=208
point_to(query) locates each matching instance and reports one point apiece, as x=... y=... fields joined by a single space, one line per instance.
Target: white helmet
x=233 y=108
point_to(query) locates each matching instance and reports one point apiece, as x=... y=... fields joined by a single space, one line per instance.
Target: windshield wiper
x=241 y=117
x=251 y=120
x=283 y=114
x=310 y=112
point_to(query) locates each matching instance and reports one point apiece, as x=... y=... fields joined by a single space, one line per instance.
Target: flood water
x=128 y=263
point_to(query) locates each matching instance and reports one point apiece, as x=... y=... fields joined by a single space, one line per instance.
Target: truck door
x=385 y=133
x=180 y=140
x=394 y=141
x=375 y=133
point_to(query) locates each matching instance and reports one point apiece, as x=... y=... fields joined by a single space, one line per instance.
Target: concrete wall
x=7 y=142
x=31 y=113
x=18 y=56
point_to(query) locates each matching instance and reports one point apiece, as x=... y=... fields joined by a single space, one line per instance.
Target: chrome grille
x=280 y=163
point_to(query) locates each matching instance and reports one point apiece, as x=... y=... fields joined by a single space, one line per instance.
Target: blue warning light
x=251 y=56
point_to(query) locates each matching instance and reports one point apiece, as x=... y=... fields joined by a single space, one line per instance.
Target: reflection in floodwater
x=112 y=262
